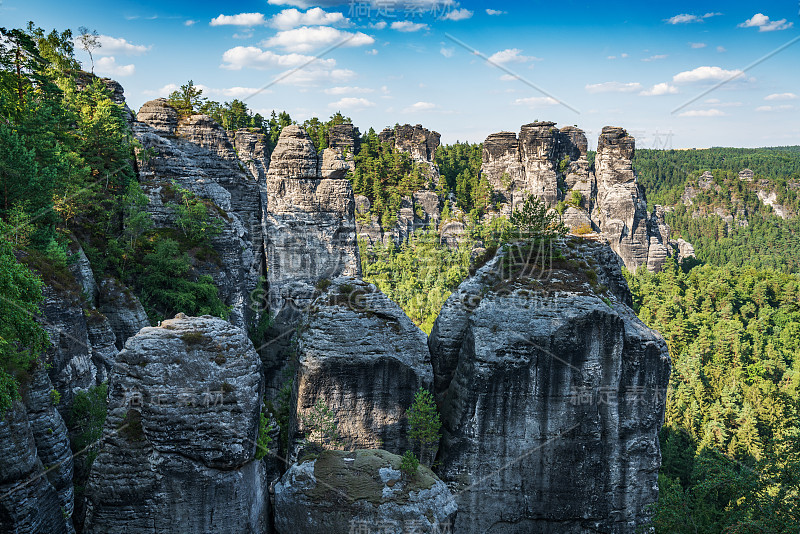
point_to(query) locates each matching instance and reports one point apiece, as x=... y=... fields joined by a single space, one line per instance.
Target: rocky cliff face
x=551 y=393
x=198 y=155
x=365 y=359
x=551 y=164
x=420 y=142
x=309 y=224
x=180 y=437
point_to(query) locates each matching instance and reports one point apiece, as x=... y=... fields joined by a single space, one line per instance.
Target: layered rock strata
x=179 y=440
x=364 y=359
x=552 y=394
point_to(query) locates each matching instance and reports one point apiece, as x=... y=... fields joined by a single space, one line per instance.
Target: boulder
x=340 y=492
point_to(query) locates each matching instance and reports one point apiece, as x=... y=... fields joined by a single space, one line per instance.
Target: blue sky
x=630 y=65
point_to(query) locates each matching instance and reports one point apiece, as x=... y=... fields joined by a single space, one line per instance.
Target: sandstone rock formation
x=365 y=359
x=309 y=224
x=551 y=393
x=344 y=137
x=360 y=491
x=253 y=151
x=180 y=437
x=552 y=165
x=198 y=155
x=420 y=142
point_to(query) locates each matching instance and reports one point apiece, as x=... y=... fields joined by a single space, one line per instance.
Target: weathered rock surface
x=159 y=115
x=309 y=224
x=123 y=310
x=200 y=157
x=361 y=355
x=29 y=502
x=420 y=142
x=360 y=491
x=253 y=151
x=345 y=137
x=551 y=394
x=552 y=164
x=180 y=437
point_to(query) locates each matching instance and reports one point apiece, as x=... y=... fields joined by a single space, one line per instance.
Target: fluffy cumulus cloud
x=781 y=96
x=655 y=57
x=407 y=26
x=306 y=39
x=707 y=75
x=110 y=46
x=447 y=52
x=536 y=101
x=782 y=107
x=351 y=104
x=242 y=19
x=510 y=55
x=762 y=22
x=702 y=113
x=419 y=106
x=255 y=58
x=494 y=12
x=687 y=18
x=292 y=18
x=697 y=45
x=458 y=14
x=313 y=76
x=108 y=65
x=660 y=89
x=614 y=87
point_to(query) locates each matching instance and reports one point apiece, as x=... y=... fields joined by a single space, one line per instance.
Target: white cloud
x=234 y=92
x=373 y=52
x=613 y=87
x=781 y=96
x=190 y=22
x=721 y=49
x=655 y=58
x=494 y=12
x=712 y=101
x=378 y=25
x=255 y=58
x=110 y=46
x=706 y=74
x=660 y=89
x=458 y=14
x=408 y=26
x=306 y=39
x=762 y=22
x=697 y=45
x=511 y=55
x=623 y=55
x=611 y=57
x=537 y=101
x=108 y=65
x=351 y=103
x=419 y=106
x=348 y=90
x=783 y=107
x=242 y=19
x=686 y=18
x=292 y=18
x=508 y=78
x=315 y=76
x=702 y=113
x=447 y=52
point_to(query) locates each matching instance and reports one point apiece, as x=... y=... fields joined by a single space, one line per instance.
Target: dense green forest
x=731 y=461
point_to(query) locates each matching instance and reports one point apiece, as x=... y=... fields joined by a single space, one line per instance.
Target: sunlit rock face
x=552 y=394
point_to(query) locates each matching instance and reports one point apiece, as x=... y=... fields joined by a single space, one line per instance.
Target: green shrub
x=534 y=220
x=264 y=440
x=55 y=397
x=88 y=415
x=409 y=465
x=424 y=421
